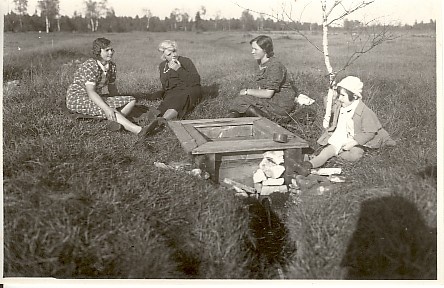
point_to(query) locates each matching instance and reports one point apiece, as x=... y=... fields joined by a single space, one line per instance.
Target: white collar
x=104 y=68
x=350 y=107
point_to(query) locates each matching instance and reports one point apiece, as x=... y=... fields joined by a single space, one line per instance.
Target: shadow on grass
x=391 y=241
x=269 y=244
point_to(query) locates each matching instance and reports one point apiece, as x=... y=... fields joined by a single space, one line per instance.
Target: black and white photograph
x=162 y=142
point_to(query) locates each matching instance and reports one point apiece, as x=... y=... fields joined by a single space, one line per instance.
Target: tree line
x=99 y=17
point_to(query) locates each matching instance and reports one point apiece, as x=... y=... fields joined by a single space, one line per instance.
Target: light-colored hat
x=352 y=84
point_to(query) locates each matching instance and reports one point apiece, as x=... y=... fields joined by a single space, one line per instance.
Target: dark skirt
x=181 y=100
x=279 y=105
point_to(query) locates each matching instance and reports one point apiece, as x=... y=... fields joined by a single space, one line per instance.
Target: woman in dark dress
x=181 y=89
x=272 y=95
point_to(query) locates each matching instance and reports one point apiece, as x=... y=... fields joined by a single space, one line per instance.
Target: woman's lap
x=180 y=100
x=84 y=105
x=281 y=105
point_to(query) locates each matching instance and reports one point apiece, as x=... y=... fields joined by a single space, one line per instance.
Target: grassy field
x=83 y=202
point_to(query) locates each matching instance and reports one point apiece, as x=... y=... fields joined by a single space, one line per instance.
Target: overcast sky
x=387 y=11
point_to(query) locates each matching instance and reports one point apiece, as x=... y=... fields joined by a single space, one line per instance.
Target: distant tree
x=260 y=22
x=185 y=18
x=247 y=21
x=197 y=21
x=202 y=10
x=351 y=25
x=93 y=11
x=216 y=19
x=157 y=25
x=21 y=6
x=174 y=18
x=49 y=9
x=148 y=15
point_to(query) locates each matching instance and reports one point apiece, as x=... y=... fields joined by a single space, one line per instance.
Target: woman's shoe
x=234 y=114
x=113 y=126
x=253 y=111
x=146 y=130
x=303 y=168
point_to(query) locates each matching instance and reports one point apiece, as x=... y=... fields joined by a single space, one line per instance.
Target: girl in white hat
x=354 y=126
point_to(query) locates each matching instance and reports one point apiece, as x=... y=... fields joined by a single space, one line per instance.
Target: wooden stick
x=239 y=185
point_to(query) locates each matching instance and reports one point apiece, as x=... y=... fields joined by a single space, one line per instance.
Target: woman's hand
x=349 y=145
x=243 y=92
x=111 y=114
x=174 y=64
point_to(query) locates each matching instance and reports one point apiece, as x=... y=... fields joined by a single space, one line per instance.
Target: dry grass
x=82 y=202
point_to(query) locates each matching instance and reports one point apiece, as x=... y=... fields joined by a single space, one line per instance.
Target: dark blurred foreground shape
x=391 y=241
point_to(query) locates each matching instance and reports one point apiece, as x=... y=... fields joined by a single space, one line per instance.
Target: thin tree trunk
x=47 y=24
x=329 y=100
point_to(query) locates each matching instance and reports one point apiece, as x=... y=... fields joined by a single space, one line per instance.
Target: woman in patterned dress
x=85 y=96
x=272 y=95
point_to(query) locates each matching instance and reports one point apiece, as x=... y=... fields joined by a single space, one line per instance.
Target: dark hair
x=351 y=95
x=99 y=43
x=265 y=43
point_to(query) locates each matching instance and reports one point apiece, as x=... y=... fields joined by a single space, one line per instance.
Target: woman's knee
x=352 y=155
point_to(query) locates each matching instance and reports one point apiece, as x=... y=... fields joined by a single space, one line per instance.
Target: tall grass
x=83 y=202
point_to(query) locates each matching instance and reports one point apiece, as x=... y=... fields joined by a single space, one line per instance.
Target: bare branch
x=302 y=12
x=289 y=18
x=337 y=2
x=374 y=40
x=350 y=11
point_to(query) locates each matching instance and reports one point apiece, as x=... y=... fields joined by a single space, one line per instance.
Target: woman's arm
x=369 y=126
x=188 y=72
x=109 y=112
x=270 y=81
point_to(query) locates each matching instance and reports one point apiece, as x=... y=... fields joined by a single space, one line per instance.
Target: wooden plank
x=196 y=135
x=242 y=186
x=221 y=121
x=234 y=138
x=229 y=131
x=264 y=126
x=212 y=166
x=253 y=155
x=186 y=141
x=248 y=145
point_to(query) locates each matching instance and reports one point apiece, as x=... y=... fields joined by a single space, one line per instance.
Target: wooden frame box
x=233 y=147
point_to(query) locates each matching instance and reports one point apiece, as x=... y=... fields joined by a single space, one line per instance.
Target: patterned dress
x=272 y=75
x=92 y=72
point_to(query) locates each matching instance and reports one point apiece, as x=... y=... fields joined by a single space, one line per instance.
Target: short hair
x=351 y=95
x=265 y=43
x=98 y=44
x=167 y=45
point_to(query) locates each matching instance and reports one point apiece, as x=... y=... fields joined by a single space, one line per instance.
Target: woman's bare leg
x=128 y=107
x=170 y=114
x=128 y=125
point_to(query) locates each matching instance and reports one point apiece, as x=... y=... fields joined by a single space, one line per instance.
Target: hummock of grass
x=83 y=202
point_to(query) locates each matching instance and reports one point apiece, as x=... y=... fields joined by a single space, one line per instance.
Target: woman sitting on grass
x=181 y=89
x=354 y=127
x=272 y=95
x=84 y=94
